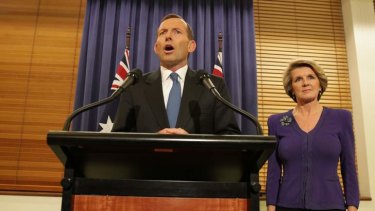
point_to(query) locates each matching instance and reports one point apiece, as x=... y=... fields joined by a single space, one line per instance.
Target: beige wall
x=29 y=203
x=359 y=21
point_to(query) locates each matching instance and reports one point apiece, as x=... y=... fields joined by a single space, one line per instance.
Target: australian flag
x=110 y=111
x=218 y=67
x=122 y=71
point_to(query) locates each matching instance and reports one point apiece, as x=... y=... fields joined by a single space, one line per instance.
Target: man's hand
x=173 y=131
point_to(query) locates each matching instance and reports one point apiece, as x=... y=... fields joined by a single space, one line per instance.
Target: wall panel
x=287 y=30
x=38 y=63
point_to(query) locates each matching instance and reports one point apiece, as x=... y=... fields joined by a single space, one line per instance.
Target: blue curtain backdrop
x=103 y=44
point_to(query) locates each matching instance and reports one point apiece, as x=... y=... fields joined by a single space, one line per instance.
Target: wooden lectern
x=141 y=172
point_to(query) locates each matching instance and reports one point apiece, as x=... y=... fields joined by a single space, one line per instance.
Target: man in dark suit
x=143 y=106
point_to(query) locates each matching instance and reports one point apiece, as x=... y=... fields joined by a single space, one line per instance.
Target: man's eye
x=176 y=32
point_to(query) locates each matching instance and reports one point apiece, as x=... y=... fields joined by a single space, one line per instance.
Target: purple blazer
x=302 y=171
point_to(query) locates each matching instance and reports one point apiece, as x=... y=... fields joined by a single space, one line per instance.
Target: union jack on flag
x=218 y=67
x=122 y=71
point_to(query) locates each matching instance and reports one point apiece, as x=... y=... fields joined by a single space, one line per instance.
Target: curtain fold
x=103 y=44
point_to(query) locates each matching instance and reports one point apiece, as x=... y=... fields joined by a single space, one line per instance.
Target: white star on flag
x=106 y=127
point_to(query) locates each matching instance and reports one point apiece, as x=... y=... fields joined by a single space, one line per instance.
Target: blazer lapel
x=155 y=99
x=191 y=94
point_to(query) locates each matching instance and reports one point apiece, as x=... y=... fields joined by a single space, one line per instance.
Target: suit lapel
x=155 y=99
x=192 y=92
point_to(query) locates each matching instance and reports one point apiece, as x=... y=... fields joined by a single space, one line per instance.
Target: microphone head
x=205 y=79
x=202 y=74
x=136 y=73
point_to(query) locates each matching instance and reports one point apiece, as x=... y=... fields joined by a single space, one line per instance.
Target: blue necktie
x=174 y=100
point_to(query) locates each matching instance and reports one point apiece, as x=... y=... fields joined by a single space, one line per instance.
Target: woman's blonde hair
x=319 y=72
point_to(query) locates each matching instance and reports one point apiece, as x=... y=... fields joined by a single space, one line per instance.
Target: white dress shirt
x=167 y=82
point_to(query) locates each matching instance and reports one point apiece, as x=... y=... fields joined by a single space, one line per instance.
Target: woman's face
x=305 y=84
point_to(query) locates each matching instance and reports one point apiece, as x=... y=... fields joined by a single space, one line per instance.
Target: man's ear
x=155 y=48
x=192 y=46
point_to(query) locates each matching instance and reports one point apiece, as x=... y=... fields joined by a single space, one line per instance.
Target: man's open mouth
x=168 y=48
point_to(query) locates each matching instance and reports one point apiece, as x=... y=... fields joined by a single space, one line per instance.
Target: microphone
x=130 y=79
x=206 y=80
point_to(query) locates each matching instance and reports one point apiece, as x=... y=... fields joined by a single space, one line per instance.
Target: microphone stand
x=208 y=83
x=132 y=76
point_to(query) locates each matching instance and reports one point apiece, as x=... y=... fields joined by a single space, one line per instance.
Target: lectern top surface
x=78 y=137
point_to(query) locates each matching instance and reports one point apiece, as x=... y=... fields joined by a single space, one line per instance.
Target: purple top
x=309 y=162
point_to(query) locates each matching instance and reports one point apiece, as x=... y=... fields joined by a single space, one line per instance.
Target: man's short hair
x=188 y=28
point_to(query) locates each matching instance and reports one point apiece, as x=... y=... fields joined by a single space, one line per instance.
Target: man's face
x=172 y=45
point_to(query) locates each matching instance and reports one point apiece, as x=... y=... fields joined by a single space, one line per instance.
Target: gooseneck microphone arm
x=205 y=78
x=131 y=77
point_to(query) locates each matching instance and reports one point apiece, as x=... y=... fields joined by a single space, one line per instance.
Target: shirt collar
x=181 y=72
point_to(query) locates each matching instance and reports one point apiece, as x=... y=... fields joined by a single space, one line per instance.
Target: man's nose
x=168 y=35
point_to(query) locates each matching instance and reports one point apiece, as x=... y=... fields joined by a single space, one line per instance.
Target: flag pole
x=128 y=38
x=127 y=45
x=220 y=38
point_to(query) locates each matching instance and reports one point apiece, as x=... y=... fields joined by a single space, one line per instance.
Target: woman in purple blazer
x=312 y=139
